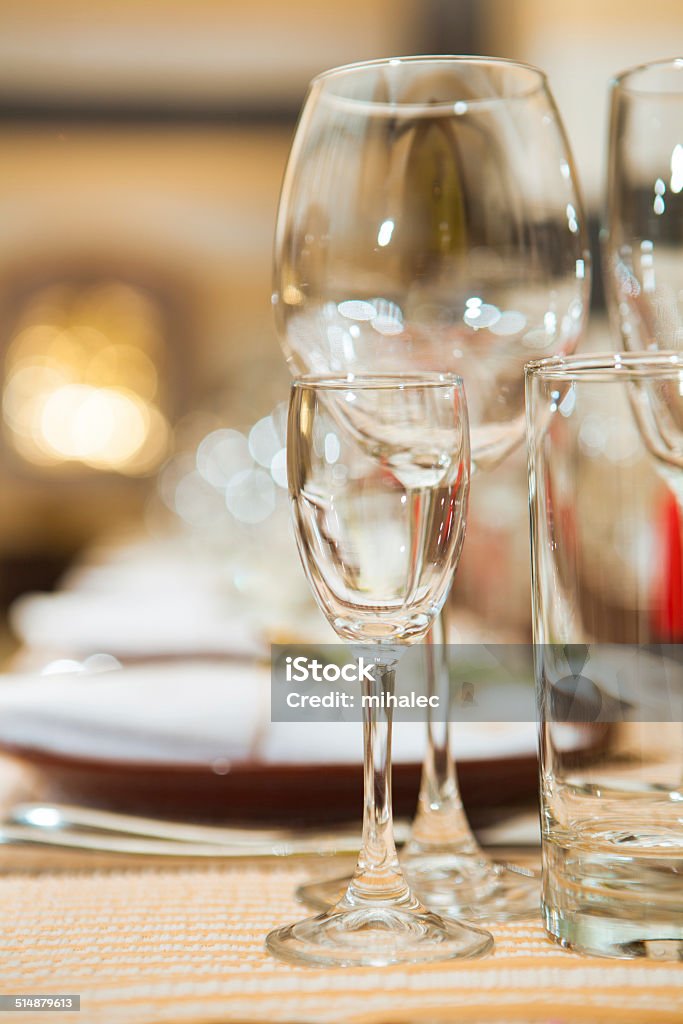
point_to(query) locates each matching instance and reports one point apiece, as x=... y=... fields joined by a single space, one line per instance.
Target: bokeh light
x=230 y=477
x=82 y=380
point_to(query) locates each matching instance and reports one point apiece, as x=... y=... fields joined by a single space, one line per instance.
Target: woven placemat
x=147 y=946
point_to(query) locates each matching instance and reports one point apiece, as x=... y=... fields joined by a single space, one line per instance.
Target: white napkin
x=134 y=624
x=193 y=713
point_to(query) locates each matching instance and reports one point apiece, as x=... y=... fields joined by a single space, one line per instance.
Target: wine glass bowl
x=429 y=220
x=643 y=244
x=644 y=233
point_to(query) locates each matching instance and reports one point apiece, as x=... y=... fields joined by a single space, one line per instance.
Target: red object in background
x=667 y=616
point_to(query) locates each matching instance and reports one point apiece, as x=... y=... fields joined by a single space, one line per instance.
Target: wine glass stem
x=440 y=819
x=378 y=875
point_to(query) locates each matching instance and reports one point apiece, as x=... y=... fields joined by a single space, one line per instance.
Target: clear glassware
x=430 y=220
x=643 y=240
x=643 y=237
x=608 y=619
x=379 y=477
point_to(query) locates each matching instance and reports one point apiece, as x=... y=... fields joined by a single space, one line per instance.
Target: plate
x=193 y=739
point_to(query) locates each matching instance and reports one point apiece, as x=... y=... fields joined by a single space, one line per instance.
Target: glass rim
x=623 y=80
x=601 y=367
x=376 y=382
x=539 y=83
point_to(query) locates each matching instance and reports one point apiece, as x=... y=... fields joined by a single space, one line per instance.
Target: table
x=158 y=945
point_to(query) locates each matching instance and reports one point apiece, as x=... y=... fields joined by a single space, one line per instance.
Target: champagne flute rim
x=376 y=382
x=539 y=84
x=623 y=80
x=608 y=366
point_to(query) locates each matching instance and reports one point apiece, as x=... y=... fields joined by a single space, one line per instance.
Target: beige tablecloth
x=171 y=946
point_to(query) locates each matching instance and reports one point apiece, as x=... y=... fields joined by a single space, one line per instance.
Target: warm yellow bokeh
x=82 y=379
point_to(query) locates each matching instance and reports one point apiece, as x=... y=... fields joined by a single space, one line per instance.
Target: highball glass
x=605 y=441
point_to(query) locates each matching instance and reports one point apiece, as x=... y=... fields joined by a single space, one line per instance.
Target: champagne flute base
x=376 y=935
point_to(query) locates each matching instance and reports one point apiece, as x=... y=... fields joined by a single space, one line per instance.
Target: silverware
x=84 y=828
x=109 y=842
x=60 y=816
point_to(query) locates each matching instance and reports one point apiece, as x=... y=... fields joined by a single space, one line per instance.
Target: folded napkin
x=134 y=624
x=199 y=713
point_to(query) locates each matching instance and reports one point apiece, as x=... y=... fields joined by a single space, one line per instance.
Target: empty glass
x=605 y=437
x=378 y=473
x=430 y=221
x=644 y=232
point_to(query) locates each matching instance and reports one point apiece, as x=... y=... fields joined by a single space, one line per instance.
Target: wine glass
x=643 y=242
x=378 y=472
x=430 y=220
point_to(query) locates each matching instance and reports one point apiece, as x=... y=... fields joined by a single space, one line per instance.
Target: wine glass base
x=458 y=886
x=375 y=935
x=474 y=888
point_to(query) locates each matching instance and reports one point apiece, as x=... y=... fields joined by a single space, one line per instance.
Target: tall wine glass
x=379 y=529
x=430 y=220
x=643 y=242
x=644 y=237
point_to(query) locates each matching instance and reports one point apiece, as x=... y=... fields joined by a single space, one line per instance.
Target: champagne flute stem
x=378 y=875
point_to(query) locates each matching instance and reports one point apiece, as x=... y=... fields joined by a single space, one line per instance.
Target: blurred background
x=142 y=153
x=142 y=148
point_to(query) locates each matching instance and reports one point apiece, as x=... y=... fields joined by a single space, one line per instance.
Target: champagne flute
x=430 y=220
x=379 y=528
